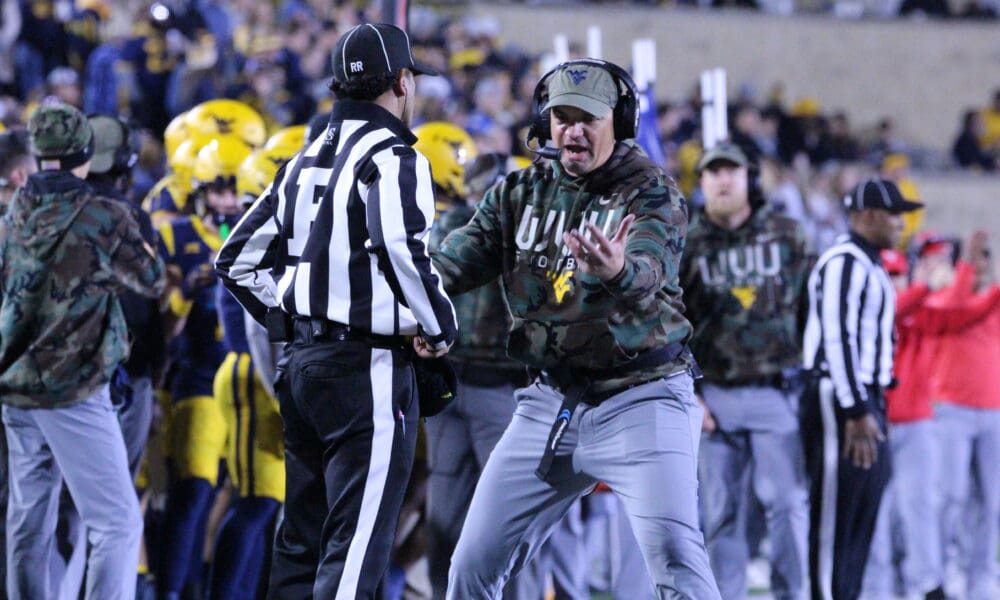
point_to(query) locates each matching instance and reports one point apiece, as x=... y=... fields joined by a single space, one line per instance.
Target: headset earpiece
x=755 y=193
x=127 y=153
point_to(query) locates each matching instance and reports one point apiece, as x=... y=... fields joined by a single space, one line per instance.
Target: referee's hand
x=861 y=437
x=425 y=350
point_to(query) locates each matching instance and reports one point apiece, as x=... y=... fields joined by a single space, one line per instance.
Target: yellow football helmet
x=175 y=134
x=218 y=162
x=289 y=137
x=181 y=161
x=448 y=148
x=257 y=171
x=215 y=119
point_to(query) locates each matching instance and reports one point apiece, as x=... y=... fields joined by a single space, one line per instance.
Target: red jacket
x=968 y=372
x=910 y=400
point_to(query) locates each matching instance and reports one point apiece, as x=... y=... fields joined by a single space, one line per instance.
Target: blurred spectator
x=10 y=28
x=990 y=137
x=800 y=130
x=837 y=142
x=746 y=130
x=826 y=217
x=927 y=8
x=83 y=32
x=42 y=43
x=16 y=163
x=781 y=190
x=885 y=140
x=896 y=168
x=967 y=149
x=977 y=9
x=63 y=84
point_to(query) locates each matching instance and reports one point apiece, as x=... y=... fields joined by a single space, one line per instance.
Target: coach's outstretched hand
x=599 y=256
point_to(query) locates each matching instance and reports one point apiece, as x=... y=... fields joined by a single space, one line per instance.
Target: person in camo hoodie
x=744 y=273
x=587 y=245
x=66 y=254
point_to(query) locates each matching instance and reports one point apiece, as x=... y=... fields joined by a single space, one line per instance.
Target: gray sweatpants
x=910 y=512
x=643 y=443
x=82 y=445
x=459 y=442
x=757 y=430
x=970 y=443
x=135 y=422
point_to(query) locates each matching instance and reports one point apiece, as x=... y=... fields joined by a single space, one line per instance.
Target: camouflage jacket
x=562 y=317
x=745 y=294
x=483 y=318
x=65 y=255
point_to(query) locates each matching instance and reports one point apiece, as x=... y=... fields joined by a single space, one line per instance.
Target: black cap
x=881 y=194
x=374 y=49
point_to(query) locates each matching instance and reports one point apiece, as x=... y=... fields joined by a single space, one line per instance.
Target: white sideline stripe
x=378 y=471
x=828 y=505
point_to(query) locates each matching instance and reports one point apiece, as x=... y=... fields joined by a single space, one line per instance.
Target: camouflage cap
x=61 y=137
x=587 y=87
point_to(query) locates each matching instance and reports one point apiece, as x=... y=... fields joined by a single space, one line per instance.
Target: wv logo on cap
x=577 y=75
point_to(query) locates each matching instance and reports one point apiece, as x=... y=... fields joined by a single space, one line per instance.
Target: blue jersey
x=234 y=333
x=197 y=351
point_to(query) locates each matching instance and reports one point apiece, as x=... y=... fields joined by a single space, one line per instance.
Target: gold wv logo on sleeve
x=746 y=295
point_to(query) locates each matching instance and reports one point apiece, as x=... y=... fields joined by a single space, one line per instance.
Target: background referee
x=337 y=243
x=848 y=348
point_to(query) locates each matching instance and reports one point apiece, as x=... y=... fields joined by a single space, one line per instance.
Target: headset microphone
x=544 y=151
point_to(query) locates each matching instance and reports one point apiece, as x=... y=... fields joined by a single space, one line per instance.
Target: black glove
x=437 y=384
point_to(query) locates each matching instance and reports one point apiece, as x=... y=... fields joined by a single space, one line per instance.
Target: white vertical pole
x=721 y=108
x=560 y=46
x=643 y=63
x=594 y=49
x=708 y=137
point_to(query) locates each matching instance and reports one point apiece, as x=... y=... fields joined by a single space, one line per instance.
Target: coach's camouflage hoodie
x=745 y=294
x=65 y=254
x=561 y=317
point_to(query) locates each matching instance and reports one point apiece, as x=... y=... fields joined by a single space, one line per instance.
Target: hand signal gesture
x=599 y=256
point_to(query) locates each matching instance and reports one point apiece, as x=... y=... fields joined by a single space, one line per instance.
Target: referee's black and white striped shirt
x=849 y=331
x=341 y=233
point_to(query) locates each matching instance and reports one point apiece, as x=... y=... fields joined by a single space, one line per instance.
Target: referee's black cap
x=879 y=194
x=374 y=49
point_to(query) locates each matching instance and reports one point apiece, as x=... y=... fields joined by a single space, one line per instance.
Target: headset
x=127 y=153
x=625 y=113
x=755 y=192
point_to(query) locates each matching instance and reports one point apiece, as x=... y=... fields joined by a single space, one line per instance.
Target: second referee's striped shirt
x=341 y=233
x=849 y=331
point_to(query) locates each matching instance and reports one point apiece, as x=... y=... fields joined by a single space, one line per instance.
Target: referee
x=332 y=256
x=848 y=347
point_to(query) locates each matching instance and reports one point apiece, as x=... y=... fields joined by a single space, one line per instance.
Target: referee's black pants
x=350 y=418
x=844 y=499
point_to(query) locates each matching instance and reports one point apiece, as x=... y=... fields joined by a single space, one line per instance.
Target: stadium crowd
x=214 y=95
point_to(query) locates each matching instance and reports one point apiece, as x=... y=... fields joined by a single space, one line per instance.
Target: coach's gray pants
x=757 y=430
x=82 y=445
x=910 y=512
x=970 y=441
x=643 y=443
